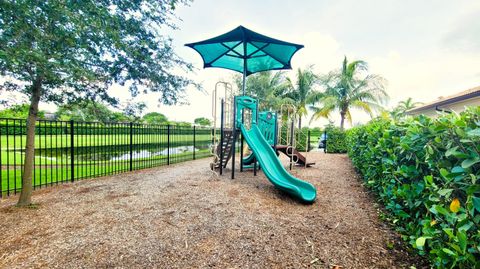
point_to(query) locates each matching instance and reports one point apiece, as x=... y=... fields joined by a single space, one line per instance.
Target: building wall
x=457 y=107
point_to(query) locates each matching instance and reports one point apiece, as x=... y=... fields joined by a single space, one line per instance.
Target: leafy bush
x=336 y=140
x=426 y=172
x=315 y=134
x=19 y=112
x=301 y=137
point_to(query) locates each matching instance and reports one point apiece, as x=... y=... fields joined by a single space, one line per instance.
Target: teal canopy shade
x=245 y=51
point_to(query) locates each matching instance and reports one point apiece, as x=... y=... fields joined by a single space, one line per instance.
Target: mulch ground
x=185 y=216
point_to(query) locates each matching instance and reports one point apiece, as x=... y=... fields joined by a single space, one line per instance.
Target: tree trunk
x=342 y=120
x=300 y=122
x=26 y=194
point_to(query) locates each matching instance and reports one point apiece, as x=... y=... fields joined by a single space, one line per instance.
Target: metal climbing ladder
x=222 y=146
x=225 y=151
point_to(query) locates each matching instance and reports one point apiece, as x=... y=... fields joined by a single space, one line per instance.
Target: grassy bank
x=51 y=174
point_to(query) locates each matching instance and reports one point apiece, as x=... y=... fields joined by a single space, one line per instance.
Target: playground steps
x=287 y=150
x=226 y=147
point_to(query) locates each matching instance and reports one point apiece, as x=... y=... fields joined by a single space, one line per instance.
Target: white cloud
x=464 y=33
x=426 y=78
x=418 y=46
x=321 y=50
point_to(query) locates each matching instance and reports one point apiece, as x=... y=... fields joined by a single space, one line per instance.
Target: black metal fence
x=66 y=151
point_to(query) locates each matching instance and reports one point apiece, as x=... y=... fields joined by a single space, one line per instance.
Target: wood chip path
x=185 y=216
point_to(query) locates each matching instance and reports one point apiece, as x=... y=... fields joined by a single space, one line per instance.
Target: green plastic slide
x=248 y=162
x=249 y=159
x=273 y=168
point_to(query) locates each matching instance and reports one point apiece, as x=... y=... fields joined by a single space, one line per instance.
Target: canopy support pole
x=243 y=91
x=244 y=75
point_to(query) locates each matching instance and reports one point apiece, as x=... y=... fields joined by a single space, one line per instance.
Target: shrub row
x=427 y=174
x=336 y=140
x=301 y=137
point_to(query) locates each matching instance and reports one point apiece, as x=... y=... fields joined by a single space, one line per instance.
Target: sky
x=424 y=49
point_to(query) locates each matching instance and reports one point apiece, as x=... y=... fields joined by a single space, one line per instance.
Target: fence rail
x=66 y=151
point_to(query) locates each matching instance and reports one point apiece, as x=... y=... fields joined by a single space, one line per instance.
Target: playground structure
x=288 y=137
x=222 y=142
x=239 y=116
x=248 y=52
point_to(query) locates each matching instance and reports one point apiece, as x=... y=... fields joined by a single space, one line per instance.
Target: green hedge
x=301 y=137
x=426 y=172
x=336 y=140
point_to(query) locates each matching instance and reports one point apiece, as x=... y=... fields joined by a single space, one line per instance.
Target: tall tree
x=203 y=122
x=349 y=87
x=19 y=111
x=269 y=87
x=155 y=118
x=402 y=107
x=134 y=110
x=88 y=111
x=302 y=90
x=62 y=50
x=408 y=104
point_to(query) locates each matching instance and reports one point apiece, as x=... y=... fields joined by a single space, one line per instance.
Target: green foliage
x=63 y=51
x=155 y=118
x=202 y=121
x=180 y=123
x=336 y=140
x=89 y=112
x=316 y=131
x=426 y=172
x=134 y=110
x=347 y=88
x=78 y=49
x=402 y=107
x=301 y=136
x=302 y=90
x=18 y=112
x=269 y=87
x=315 y=135
x=46 y=127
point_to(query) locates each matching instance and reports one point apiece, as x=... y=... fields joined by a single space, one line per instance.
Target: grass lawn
x=50 y=174
x=54 y=141
x=59 y=144
x=95 y=155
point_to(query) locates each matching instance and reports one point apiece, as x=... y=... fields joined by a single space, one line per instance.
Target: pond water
x=115 y=152
x=148 y=154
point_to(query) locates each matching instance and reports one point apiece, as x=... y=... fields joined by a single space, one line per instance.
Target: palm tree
x=302 y=90
x=408 y=104
x=403 y=106
x=269 y=87
x=347 y=88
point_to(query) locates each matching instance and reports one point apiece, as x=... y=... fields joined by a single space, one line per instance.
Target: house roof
x=458 y=97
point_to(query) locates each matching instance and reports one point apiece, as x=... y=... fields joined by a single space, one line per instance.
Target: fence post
x=292 y=129
x=72 y=153
x=308 y=141
x=212 y=135
x=194 y=142
x=325 y=143
x=168 y=144
x=131 y=146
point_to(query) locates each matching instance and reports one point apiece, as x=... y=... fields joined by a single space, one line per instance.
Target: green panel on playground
x=267 y=124
x=248 y=52
x=266 y=156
